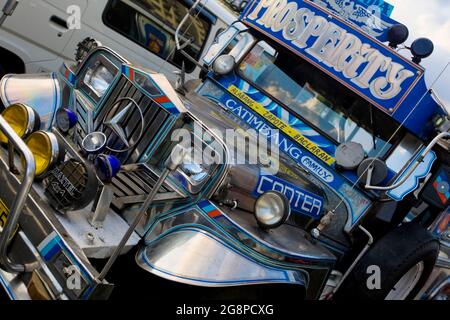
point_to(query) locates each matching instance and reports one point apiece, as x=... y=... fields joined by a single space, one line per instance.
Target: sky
x=431 y=19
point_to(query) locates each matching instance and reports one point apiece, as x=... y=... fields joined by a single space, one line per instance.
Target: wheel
x=404 y=258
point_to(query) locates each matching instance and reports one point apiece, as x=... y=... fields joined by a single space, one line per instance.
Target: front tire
x=405 y=258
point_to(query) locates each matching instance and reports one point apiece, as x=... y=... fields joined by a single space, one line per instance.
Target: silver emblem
x=115 y=122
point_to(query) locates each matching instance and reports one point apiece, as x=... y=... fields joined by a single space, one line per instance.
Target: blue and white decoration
x=340 y=49
x=412 y=182
x=302 y=201
x=369 y=17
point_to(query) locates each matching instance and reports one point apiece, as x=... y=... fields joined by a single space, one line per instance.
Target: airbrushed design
x=369 y=19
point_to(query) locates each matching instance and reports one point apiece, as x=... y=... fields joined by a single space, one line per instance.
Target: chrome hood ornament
x=115 y=122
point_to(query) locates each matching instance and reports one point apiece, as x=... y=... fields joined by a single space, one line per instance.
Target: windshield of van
x=318 y=99
x=152 y=25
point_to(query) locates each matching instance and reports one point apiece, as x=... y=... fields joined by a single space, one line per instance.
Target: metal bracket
x=101 y=206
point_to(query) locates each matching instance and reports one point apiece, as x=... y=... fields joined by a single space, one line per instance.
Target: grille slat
x=140 y=182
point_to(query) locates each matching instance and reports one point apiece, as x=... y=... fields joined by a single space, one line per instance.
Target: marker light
x=22 y=119
x=66 y=120
x=46 y=149
x=272 y=210
x=107 y=167
x=94 y=143
x=224 y=64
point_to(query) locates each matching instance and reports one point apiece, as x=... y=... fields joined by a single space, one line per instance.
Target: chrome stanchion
x=172 y=163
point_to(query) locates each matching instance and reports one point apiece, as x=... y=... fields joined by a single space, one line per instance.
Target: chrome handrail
x=16 y=209
x=410 y=170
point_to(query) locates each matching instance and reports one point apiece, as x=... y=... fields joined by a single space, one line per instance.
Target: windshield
x=317 y=98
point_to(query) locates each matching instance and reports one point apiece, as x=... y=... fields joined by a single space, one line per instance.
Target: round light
x=421 y=48
x=107 y=167
x=22 y=119
x=397 y=35
x=46 y=149
x=71 y=186
x=66 y=120
x=272 y=210
x=94 y=143
x=224 y=64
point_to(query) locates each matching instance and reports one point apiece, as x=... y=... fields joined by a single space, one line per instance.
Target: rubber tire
x=395 y=254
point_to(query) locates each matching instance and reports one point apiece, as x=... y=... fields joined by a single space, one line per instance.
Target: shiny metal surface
x=19 y=202
x=172 y=163
x=38 y=221
x=193 y=256
x=403 y=153
x=41 y=92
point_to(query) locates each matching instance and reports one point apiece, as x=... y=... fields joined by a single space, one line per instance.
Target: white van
x=42 y=33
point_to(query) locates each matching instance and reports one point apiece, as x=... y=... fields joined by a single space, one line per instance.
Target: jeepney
x=351 y=200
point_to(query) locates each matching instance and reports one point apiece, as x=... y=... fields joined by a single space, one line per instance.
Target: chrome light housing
x=224 y=64
x=99 y=79
x=46 y=149
x=94 y=143
x=272 y=209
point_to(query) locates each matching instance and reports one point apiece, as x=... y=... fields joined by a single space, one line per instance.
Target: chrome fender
x=39 y=91
x=196 y=257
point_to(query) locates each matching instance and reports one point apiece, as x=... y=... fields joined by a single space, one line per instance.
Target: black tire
x=395 y=254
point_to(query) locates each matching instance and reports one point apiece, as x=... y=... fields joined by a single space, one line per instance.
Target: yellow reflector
x=17 y=117
x=40 y=145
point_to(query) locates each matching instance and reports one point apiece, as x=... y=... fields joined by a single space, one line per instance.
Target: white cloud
x=431 y=19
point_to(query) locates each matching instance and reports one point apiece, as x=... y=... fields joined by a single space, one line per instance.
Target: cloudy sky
x=431 y=19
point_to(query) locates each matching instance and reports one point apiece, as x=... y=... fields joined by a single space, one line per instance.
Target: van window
x=152 y=24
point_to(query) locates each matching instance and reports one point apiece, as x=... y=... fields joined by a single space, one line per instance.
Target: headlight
x=224 y=64
x=94 y=143
x=272 y=210
x=196 y=173
x=22 y=119
x=66 y=120
x=107 y=167
x=99 y=79
x=46 y=150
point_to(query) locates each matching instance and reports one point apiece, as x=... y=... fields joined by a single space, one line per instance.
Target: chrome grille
x=82 y=125
x=133 y=187
x=156 y=119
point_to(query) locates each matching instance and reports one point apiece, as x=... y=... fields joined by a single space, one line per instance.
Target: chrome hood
x=246 y=182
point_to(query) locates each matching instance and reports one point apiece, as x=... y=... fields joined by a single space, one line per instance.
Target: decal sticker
x=302 y=201
x=320 y=171
x=442 y=187
x=282 y=126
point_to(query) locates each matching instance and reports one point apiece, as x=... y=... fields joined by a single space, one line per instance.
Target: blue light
x=107 y=167
x=66 y=120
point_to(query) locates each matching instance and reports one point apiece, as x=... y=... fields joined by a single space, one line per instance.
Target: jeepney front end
x=100 y=134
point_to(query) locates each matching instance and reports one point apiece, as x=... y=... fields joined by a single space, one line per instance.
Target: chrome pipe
x=8 y=10
x=19 y=202
x=172 y=163
x=182 y=23
x=362 y=254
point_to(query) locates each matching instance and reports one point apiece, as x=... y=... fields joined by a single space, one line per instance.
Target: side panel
x=195 y=257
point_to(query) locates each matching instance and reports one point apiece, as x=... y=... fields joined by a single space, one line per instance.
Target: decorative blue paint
x=412 y=183
x=302 y=202
x=411 y=72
